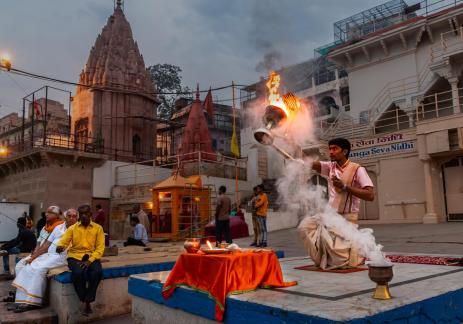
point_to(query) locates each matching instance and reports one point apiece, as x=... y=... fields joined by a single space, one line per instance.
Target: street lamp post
x=5 y=62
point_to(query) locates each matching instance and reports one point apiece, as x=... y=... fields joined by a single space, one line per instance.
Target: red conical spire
x=196 y=136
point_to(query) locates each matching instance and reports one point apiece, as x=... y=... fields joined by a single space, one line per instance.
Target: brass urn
x=192 y=245
x=382 y=275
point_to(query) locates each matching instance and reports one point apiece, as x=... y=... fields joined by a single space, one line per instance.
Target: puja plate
x=216 y=251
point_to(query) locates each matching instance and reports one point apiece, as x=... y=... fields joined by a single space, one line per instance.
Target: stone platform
x=421 y=294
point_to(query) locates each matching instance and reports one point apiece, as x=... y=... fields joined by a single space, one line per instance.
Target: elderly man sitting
x=30 y=280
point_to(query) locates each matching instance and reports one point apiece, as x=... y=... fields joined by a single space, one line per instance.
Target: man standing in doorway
x=261 y=205
x=100 y=216
x=85 y=240
x=222 y=216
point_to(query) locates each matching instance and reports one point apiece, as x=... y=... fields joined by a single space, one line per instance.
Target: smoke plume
x=298 y=194
x=269 y=31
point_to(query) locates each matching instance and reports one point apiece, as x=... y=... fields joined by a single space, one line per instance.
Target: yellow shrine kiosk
x=181 y=208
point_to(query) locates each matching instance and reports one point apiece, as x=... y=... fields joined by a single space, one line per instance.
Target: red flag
x=37 y=108
x=208 y=104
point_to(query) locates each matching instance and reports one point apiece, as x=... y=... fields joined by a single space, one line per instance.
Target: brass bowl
x=381 y=275
x=192 y=245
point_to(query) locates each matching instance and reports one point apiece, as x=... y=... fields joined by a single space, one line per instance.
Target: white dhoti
x=326 y=247
x=31 y=282
x=20 y=265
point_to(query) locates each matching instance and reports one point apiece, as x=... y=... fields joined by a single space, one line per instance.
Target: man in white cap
x=31 y=280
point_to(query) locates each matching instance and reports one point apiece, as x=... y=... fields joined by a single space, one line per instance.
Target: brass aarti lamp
x=382 y=275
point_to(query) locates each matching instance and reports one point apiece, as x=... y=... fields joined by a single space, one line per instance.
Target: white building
x=402 y=112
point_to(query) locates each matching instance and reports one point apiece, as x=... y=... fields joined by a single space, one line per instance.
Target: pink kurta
x=361 y=180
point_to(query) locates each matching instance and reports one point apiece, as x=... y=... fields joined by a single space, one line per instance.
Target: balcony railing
x=71 y=143
x=432 y=106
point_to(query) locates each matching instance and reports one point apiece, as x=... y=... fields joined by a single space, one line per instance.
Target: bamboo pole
x=237 y=198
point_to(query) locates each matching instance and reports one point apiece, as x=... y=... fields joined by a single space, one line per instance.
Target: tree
x=167 y=79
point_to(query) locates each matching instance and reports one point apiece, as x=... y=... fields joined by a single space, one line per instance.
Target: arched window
x=393 y=119
x=136 y=145
x=325 y=105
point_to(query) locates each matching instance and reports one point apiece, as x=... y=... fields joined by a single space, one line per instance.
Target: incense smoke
x=297 y=194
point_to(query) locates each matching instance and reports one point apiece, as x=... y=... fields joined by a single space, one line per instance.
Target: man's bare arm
x=366 y=193
x=40 y=250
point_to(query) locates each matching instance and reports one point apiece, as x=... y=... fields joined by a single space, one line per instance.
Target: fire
x=209 y=244
x=289 y=103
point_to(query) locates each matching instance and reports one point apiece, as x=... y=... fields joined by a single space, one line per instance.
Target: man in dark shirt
x=25 y=242
x=222 y=217
x=41 y=223
x=100 y=216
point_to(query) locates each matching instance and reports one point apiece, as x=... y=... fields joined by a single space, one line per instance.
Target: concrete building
x=112 y=119
x=56 y=122
x=220 y=127
x=398 y=96
x=405 y=90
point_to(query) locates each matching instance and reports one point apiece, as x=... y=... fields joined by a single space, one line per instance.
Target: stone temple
x=115 y=104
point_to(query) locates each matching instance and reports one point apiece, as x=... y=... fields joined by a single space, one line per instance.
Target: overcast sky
x=213 y=41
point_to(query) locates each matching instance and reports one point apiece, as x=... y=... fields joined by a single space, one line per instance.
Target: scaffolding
x=371 y=20
x=383 y=16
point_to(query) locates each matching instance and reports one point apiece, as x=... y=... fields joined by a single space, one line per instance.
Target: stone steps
x=39 y=316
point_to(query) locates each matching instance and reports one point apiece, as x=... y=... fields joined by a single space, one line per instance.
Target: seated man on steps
x=86 y=243
x=31 y=279
x=139 y=236
x=24 y=242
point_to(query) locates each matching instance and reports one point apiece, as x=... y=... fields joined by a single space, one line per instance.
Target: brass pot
x=381 y=275
x=192 y=245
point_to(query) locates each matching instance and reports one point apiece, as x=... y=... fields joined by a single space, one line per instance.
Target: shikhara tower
x=115 y=102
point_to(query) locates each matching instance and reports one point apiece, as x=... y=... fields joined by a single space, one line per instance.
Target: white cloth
x=42 y=236
x=139 y=233
x=30 y=278
x=55 y=236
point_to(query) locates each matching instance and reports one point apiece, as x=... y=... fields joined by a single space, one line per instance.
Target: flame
x=209 y=244
x=289 y=103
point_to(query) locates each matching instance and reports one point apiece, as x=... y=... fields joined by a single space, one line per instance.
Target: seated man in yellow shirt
x=85 y=240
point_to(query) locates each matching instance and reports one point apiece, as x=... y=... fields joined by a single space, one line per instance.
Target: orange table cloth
x=223 y=274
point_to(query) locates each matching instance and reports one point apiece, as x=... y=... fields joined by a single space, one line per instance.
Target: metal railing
x=450 y=43
x=70 y=142
x=150 y=171
x=432 y=106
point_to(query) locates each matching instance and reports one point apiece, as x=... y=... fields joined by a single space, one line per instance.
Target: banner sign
x=377 y=141
x=371 y=152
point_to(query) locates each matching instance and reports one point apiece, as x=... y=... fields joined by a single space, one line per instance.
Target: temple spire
x=119 y=4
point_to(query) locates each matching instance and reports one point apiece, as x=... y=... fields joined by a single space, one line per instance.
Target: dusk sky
x=213 y=41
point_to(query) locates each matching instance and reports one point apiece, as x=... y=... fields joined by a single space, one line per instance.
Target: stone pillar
x=430 y=217
x=411 y=119
x=455 y=97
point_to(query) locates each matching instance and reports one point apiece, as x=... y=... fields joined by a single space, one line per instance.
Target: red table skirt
x=224 y=274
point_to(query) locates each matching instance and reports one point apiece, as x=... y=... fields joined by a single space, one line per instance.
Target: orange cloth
x=223 y=274
x=261 y=205
x=50 y=227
